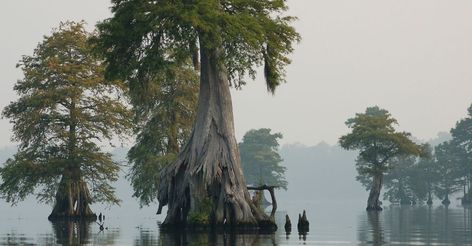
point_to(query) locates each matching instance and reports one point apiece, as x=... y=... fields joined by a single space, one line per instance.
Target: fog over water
x=410 y=57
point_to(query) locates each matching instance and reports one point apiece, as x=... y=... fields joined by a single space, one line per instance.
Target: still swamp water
x=331 y=223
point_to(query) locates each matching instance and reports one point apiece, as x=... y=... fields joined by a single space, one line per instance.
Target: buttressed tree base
x=205 y=186
x=65 y=109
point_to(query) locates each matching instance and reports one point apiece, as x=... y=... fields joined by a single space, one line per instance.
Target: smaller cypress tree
x=65 y=110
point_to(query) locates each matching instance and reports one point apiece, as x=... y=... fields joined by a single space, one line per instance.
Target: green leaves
x=374 y=135
x=66 y=107
x=144 y=37
x=164 y=111
x=261 y=160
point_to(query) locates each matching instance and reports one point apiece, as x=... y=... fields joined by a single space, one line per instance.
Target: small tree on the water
x=65 y=108
x=164 y=112
x=374 y=136
x=261 y=160
x=205 y=185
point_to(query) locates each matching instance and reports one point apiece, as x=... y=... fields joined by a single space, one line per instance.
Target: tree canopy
x=164 y=113
x=144 y=37
x=229 y=39
x=462 y=140
x=373 y=134
x=261 y=160
x=447 y=167
x=65 y=110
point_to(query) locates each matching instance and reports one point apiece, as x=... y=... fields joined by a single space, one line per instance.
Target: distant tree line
x=373 y=134
x=448 y=171
x=419 y=173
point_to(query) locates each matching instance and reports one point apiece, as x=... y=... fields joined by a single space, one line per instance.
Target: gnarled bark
x=205 y=185
x=373 y=203
x=72 y=201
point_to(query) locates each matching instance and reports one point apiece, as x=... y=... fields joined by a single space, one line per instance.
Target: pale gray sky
x=411 y=57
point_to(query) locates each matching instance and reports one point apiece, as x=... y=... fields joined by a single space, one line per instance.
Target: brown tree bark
x=373 y=203
x=72 y=201
x=205 y=185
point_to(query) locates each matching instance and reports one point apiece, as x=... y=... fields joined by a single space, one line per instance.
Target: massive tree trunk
x=373 y=203
x=72 y=201
x=205 y=185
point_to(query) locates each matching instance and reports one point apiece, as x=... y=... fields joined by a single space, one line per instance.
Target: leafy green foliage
x=374 y=135
x=164 y=112
x=65 y=109
x=447 y=167
x=462 y=140
x=202 y=215
x=143 y=37
x=425 y=175
x=397 y=180
x=409 y=181
x=261 y=160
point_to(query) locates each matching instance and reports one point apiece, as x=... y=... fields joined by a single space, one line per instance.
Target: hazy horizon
x=411 y=58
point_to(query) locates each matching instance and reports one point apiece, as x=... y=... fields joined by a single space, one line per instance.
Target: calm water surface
x=331 y=223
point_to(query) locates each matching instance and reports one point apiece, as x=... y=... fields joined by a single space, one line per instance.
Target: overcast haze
x=411 y=57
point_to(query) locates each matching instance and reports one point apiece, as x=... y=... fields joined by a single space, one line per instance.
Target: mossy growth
x=201 y=216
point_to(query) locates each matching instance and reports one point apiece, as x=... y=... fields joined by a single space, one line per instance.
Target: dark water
x=331 y=223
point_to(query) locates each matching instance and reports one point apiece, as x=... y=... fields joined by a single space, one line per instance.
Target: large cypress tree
x=65 y=110
x=229 y=38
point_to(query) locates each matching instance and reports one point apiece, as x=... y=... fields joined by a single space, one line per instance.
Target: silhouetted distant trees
x=444 y=170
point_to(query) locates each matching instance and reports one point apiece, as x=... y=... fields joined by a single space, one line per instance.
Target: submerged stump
x=303 y=224
x=288 y=224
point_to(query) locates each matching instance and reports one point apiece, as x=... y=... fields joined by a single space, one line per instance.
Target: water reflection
x=14 y=238
x=396 y=225
x=147 y=237
x=79 y=233
x=236 y=239
x=416 y=225
x=71 y=233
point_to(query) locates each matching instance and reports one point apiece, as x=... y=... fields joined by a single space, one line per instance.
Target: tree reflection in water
x=79 y=232
x=71 y=233
x=416 y=225
x=216 y=238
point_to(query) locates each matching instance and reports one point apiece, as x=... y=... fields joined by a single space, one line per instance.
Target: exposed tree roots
x=205 y=187
x=72 y=202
